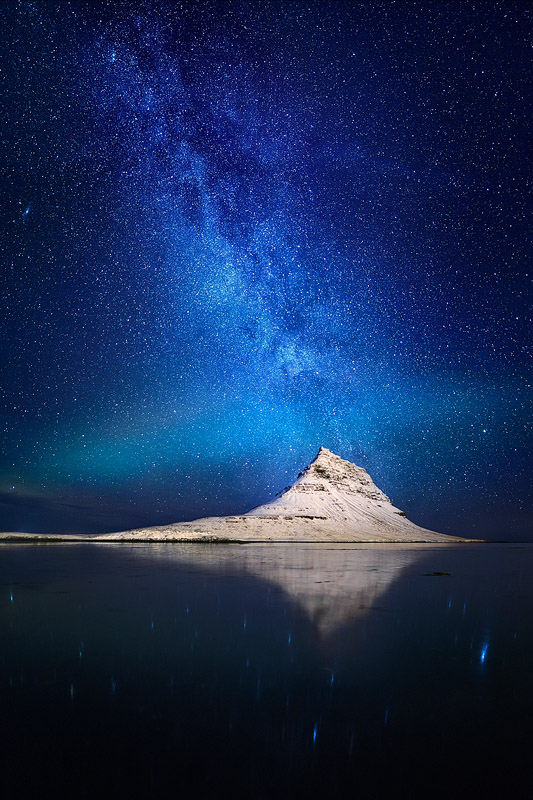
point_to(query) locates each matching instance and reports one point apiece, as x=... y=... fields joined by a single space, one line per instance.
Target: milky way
x=234 y=232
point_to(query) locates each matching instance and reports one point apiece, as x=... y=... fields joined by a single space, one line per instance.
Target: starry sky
x=235 y=231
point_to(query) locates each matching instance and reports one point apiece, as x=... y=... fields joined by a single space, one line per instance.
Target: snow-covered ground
x=332 y=500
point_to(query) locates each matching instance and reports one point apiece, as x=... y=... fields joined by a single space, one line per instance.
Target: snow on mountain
x=331 y=500
x=329 y=488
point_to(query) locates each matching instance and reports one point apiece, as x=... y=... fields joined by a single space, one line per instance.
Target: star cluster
x=235 y=231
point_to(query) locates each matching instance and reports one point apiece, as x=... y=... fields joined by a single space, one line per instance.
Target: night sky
x=234 y=232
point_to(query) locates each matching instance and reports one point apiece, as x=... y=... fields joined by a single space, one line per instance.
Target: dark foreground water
x=266 y=671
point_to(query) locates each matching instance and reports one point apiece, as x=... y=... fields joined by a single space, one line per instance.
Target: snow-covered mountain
x=331 y=500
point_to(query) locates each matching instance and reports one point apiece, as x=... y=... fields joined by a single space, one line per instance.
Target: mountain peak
x=346 y=476
x=324 y=453
x=327 y=486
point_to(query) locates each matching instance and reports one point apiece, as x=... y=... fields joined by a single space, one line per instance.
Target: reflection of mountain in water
x=333 y=585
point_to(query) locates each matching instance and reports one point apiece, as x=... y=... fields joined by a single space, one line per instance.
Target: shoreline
x=43 y=538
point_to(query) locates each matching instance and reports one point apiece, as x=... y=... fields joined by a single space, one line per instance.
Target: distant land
x=331 y=500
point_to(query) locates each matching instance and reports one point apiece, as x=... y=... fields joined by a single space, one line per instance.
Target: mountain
x=331 y=500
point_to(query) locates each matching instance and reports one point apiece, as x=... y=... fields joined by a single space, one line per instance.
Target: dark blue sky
x=234 y=232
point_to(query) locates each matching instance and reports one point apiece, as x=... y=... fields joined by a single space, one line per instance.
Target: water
x=266 y=671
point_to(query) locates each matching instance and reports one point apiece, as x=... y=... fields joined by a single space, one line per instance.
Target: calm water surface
x=266 y=671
